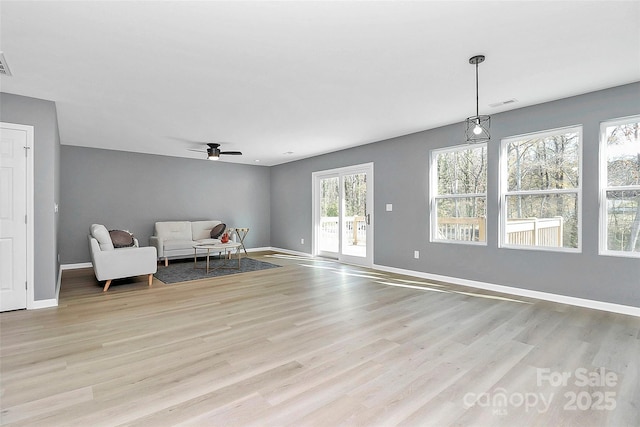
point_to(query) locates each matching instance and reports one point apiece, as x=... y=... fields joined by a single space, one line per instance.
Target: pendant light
x=477 y=127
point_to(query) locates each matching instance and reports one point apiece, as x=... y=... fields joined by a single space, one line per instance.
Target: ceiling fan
x=214 y=153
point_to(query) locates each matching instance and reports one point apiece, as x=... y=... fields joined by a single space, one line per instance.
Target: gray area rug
x=183 y=270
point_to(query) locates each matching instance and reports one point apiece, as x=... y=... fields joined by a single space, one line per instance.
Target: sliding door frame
x=315 y=185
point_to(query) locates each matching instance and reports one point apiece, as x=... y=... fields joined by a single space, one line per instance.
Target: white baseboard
x=76 y=266
x=44 y=303
x=266 y=248
x=47 y=303
x=545 y=296
x=263 y=249
x=89 y=265
x=289 y=252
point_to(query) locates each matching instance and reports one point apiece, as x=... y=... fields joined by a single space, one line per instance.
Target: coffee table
x=217 y=247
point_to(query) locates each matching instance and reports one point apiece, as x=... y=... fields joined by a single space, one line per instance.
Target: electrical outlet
x=302 y=241
x=389 y=207
x=416 y=254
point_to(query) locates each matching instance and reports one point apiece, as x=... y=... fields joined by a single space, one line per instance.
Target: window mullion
x=541 y=192
x=622 y=188
x=459 y=196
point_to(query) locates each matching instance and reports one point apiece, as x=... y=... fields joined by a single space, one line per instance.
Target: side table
x=242 y=233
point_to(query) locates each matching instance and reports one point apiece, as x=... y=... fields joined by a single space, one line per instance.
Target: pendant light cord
x=477 y=98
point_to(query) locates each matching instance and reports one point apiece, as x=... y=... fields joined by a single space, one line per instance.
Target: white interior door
x=343 y=214
x=14 y=147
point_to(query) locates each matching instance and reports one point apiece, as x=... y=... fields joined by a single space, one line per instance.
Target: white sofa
x=114 y=263
x=175 y=239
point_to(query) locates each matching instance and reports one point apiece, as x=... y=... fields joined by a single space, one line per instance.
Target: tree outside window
x=459 y=194
x=541 y=179
x=620 y=187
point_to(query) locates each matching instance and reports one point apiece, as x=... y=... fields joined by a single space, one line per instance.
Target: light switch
x=389 y=207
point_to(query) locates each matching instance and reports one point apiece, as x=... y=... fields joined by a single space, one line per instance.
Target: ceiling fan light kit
x=214 y=153
x=477 y=127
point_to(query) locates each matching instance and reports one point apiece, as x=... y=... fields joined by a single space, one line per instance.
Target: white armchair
x=114 y=263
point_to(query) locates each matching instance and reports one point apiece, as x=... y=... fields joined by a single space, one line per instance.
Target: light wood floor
x=313 y=343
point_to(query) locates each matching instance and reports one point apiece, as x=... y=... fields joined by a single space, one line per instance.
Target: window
x=620 y=187
x=459 y=194
x=540 y=190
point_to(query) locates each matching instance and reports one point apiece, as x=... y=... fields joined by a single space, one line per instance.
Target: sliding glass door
x=343 y=208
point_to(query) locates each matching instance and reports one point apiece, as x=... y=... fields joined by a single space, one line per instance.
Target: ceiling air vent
x=4 y=68
x=500 y=104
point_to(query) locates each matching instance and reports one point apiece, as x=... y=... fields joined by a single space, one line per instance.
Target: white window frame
x=604 y=187
x=433 y=191
x=504 y=192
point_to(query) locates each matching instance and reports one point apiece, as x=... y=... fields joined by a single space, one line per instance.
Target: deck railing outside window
x=524 y=231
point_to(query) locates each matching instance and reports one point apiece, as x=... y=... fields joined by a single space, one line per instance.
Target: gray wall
x=43 y=117
x=401 y=177
x=132 y=191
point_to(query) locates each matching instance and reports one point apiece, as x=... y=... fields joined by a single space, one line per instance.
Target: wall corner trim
x=545 y=296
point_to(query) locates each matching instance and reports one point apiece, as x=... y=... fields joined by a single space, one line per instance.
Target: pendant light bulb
x=477 y=130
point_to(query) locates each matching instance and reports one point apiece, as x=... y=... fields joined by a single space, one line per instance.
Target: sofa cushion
x=121 y=238
x=171 y=245
x=202 y=229
x=174 y=230
x=101 y=234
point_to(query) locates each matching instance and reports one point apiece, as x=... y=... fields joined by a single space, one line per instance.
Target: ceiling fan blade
x=197 y=151
x=232 y=153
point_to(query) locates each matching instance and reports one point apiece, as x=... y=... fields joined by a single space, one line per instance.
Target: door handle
x=368 y=219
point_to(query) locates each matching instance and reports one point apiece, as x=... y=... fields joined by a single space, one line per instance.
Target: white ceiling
x=269 y=78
